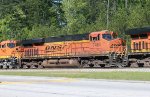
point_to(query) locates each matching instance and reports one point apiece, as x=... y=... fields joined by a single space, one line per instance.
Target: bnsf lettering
x=54 y=48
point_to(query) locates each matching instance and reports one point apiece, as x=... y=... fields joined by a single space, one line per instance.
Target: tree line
x=24 y=19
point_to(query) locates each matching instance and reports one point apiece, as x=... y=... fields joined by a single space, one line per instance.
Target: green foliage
x=20 y=19
x=74 y=14
x=27 y=19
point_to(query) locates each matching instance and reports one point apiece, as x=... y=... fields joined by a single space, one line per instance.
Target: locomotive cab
x=102 y=35
x=107 y=41
x=9 y=49
x=8 y=44
x=8 y=54
x=100 y=41
x=106 y=44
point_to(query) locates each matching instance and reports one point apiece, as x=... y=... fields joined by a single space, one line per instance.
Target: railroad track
x=79 y=70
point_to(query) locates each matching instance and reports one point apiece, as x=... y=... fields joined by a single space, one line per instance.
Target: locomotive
x=9 y=54
x=101 y=48
x=139 y=53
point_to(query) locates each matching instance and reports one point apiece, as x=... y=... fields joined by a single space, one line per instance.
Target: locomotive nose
x=117 y=45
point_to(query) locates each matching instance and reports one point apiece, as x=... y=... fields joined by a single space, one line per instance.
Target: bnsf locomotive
x=96 y=48
x=139 y=54
x=101 y=48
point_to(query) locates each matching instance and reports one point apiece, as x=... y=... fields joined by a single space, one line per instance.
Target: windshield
x=11 y=45
x=107 y=36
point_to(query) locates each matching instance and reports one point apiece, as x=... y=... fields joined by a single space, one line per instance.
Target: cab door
x=95 y=40
x=95 y=44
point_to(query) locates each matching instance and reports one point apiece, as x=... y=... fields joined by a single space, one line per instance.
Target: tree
x=26 y=15
x=20 y=19
x=74 y=14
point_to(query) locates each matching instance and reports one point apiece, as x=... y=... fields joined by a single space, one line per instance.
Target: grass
x=142 y=76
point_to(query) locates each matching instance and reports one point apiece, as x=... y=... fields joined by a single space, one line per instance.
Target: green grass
x=142 y=76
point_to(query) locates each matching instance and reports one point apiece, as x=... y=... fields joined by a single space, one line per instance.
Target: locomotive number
x=115 y=45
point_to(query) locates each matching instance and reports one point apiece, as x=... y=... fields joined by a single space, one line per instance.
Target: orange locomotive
x=9 y=54
x=92 y=49
x=139 y=55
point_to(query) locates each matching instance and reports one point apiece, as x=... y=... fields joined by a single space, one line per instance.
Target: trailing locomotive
x=92 y=49
x=139 y=55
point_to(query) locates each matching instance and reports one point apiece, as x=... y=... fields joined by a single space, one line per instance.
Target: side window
x=135 y=37
x=95 y=38
x=3 y=46
x=143 y=36
x=98 y=37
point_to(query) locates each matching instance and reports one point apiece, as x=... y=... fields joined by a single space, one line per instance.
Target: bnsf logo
x=54 y=48
x=115 y=45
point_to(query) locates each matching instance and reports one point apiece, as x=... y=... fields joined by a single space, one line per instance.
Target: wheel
x=147 y=64
x=33 y=67
x=18 y=67
x=91 y=65
x=25 y=67
x=82 y=64
x=10 y=67
x=102 y=65
x=5 y=67
x=141 y=64
x=134 y=65
x=40 y=66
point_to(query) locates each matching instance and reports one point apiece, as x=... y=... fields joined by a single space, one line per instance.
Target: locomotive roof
x=75 y=37
x=138 y=31
x=55 y=39
x=8 y=41
x=32 y=41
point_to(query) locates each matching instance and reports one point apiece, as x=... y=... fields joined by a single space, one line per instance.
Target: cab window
x=95 y=38
x=107 y=36
x=11 y=45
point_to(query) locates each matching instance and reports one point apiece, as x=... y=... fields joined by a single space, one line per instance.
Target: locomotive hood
x=117 y=45
x=138 y=31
